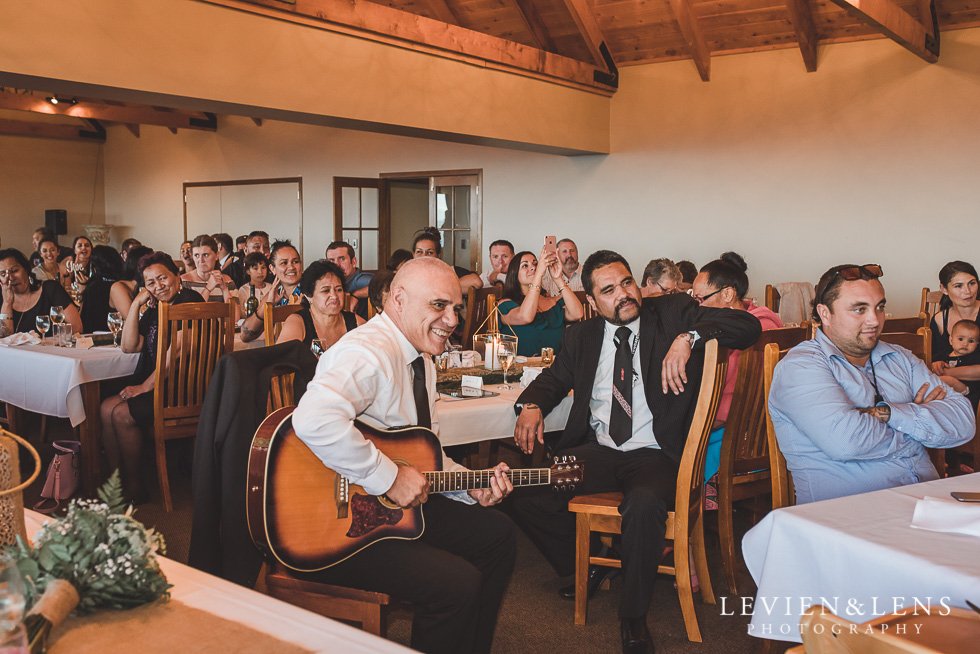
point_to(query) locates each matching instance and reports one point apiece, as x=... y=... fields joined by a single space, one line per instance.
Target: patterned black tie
x=421 y=395
x=621 y=417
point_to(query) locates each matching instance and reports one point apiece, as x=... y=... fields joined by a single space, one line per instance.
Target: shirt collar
x=405 y=347
x=634 y=327
x=827 y=346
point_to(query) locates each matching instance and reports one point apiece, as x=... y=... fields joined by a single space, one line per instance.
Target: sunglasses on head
x=853 y=274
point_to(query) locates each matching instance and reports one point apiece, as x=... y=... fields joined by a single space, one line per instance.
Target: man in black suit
x=629 y=427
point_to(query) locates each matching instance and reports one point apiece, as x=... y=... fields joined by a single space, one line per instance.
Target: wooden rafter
x=442 y=11
x=384 y=24
x=693 y=36
x=588 y=27
x=897 y=24
x=118 y=113
x=806 y=33
x=87 y=132
x=528 y=14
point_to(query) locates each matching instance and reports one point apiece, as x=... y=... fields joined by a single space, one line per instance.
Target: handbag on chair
x=63 y=473
x=11 y=489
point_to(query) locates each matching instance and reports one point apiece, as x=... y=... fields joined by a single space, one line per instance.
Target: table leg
x=15 y=420
x=90 y=434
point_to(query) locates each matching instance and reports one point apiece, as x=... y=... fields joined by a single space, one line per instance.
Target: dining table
x=859 y=556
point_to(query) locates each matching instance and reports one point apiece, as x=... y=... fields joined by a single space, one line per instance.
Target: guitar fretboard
x=447 y=482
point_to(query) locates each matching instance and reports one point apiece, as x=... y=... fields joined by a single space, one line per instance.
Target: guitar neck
x=448 y=482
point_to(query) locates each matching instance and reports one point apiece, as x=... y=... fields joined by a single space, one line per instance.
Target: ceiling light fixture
x=54 y=99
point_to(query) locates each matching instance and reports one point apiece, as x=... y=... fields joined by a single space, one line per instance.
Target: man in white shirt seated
x=501 y=252
x=457 y=571
x=571 y=269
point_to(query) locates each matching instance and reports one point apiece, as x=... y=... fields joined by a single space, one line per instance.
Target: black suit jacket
x=662 y=319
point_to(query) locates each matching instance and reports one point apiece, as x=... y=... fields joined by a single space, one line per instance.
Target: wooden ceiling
x=548 y=38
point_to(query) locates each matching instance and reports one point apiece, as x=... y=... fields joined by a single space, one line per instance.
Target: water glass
x=43 y=324
x=547 y=354
x=115 y=322
x=62 y=333
x=455 y=356
x=442 y=362
x=14 y=641
x=57 y=315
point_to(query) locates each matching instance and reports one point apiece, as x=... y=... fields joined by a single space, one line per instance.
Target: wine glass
x=115 y=322
x=11 y=596
x=43 y=323
x=506 y=351
x=57 y=315
x=319 y=346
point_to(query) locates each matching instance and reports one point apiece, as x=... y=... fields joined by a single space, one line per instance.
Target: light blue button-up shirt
x=831 y=448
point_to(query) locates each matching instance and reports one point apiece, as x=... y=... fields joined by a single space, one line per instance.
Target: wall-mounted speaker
x=56 y=220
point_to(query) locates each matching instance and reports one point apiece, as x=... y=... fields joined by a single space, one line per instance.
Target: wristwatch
x=520 y=406
x=694 y=337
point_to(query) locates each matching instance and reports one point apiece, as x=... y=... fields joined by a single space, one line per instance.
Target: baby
x=963 y=338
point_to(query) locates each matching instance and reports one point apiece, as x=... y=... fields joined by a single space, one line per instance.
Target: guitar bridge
x=341 y=492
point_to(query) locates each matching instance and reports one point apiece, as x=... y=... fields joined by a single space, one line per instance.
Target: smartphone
x=550 y=244
x=965 y=497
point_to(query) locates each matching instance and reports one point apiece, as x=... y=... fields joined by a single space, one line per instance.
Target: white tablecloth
x=464 y=421
x=261 y=612
x=857 y=551
x=46 y=379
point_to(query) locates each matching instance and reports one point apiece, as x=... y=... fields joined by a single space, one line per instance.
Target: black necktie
x=421 y=395
x=621 y=417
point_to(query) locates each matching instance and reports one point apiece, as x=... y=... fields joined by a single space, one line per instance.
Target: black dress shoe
x=636 y=636
x=597 y=575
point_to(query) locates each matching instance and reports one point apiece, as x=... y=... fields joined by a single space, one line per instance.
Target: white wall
x=871 y=159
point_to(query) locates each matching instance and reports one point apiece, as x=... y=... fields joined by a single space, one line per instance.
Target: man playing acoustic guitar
x=457 y=571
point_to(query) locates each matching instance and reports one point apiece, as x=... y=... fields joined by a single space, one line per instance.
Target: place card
x=471 y=386
x=84 y=342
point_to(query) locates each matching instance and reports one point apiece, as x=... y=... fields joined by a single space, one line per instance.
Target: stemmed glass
x=57 y=315
x=115 y=322
x=506 y=351
x=43 y=325
x=11 y=596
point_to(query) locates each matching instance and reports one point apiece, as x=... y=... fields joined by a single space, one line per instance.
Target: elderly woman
x=126 y=415
x=287 y=266
x=77 y=268
x=206 y=278
x=322 y=316
x=537 y=320
x=722 y=284
x=428 y=243
x=106 y=267
x=48 y=268
x=24 y=299
x=660 y=277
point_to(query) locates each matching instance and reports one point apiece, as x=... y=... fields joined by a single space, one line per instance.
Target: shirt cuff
x=902 y=419
x=381 y=480
x=461 y=496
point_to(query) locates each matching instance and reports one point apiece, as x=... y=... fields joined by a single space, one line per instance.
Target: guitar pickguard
x=367 y=514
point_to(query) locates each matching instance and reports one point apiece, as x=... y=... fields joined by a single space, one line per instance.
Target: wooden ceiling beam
x=383 y=24
x=806 y=32
x=588 y=27
x=897 y=24
x=442 y=11
x=98 y=110
x=693 y=36
x=528 y=14
x=51 y=131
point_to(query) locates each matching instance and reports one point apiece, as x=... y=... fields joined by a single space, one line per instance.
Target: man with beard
x=853 y=414
x=635 y=383
x=571 y=269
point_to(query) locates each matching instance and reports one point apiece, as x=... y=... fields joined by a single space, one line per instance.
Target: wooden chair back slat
x=782 y=481
x=273 y=319
x=476 y=311
x=918 y=343
x=588 y=311
x=930 y=303
x=907 y=325
x=772 y=298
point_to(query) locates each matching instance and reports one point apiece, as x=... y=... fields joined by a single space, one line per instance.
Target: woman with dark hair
x=322 y=316
x=397 y=258
x=722 y=284
x=428 y=243
x=129 y=415
x=24 y=299
x=958 y=282
x=49 y=267
x=287 y=268
x=76 y=269
x=206 y=278
x=106 y=268
x=123 y=291
x=537 y=320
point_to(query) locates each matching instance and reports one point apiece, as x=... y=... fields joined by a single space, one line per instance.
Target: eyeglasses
x=665 y=291
x=700 y=299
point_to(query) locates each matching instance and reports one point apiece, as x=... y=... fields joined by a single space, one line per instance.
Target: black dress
x=350 y=322
x=141 y=406
x=95 y=306
x=52 y=295
x=943 y=351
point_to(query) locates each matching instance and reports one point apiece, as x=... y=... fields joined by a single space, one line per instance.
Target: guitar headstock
x=567 y=473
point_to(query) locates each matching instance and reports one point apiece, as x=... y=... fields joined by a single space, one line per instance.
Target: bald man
x=457 y=571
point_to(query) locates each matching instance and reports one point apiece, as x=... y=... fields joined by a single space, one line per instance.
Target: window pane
x=369 y=207
x=447 y=246
x=350 y=202
x=461 y=206
x=369 y=250
x=444 y=199
x=353 y=236
x=462 y=238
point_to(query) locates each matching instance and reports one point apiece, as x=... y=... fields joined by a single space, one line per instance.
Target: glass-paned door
x=357 y=219
x=454 y=209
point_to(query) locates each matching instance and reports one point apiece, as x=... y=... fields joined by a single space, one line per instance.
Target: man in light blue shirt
x=853 y=414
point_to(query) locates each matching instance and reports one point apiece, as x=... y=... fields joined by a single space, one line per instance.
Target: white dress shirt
x=367 y=375
x=602 y=399
x=573 y=281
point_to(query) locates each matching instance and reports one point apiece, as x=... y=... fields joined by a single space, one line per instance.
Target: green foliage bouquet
x=100 y=550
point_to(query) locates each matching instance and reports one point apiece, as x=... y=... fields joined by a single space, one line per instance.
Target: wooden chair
x=338 y=602
x=783 y=493
x=772 y=298
x=600 y=512
x=273 y=319
x=906 y=325
x=930 y=302
x=191 y=337
x=914 y=630
x=588 y=311
x=918 y=342
x=476 y=311
x=744 y=469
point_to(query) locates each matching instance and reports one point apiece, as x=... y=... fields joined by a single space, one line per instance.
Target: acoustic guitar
x=310 y=518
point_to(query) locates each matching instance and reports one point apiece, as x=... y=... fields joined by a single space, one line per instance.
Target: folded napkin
x=21 y=338
x=468 y=359
x=530 y=373
x=940 y=514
